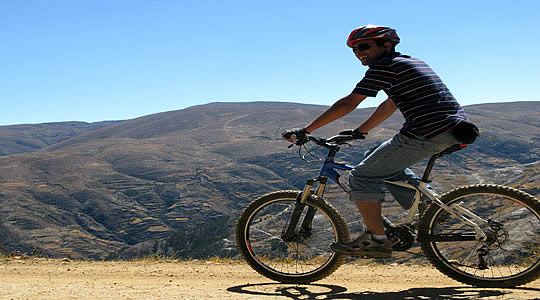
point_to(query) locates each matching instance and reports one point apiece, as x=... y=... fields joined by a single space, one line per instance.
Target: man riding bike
x=434 y=121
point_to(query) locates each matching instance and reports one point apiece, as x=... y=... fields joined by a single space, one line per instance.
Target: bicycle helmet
x=372 y=32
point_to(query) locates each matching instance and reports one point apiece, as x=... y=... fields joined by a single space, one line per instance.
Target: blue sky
x=95 y=60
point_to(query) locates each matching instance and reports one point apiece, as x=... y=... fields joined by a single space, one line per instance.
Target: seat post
x=429 y=167
x=431 y=162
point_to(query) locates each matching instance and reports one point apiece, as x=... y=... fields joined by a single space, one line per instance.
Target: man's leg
x=389 y=160
x=371 y=213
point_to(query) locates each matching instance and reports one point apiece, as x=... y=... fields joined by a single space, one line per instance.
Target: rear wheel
x=508 y=257
x=305 y=257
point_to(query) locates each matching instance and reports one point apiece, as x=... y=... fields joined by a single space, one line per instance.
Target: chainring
x=402 y=238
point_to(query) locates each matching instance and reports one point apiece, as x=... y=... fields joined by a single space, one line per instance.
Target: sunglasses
x=361 y=47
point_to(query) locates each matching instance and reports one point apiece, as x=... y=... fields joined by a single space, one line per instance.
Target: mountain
x=174 y=183
x=32 y=137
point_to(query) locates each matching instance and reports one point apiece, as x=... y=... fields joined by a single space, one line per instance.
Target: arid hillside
x=174 y=183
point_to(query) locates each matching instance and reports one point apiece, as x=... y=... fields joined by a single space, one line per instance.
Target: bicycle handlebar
x=331 y=142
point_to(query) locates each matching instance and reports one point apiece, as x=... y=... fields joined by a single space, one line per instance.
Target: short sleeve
x=374 y=81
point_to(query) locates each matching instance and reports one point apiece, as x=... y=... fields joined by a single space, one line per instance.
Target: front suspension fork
x=305 y=228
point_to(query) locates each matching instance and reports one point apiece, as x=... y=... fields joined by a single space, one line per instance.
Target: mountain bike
x=484 y=235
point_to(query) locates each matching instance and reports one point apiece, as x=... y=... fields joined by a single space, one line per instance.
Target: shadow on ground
x=327 y=292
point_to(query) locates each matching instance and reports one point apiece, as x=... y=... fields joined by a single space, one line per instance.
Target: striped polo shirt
x=424 y=100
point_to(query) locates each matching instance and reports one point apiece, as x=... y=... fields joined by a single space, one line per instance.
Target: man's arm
x=342 y=107
x=383 y=111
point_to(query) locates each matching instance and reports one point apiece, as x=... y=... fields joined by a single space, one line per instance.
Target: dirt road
x=46 y=279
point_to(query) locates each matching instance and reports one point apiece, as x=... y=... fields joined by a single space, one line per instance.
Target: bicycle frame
x=328 y=171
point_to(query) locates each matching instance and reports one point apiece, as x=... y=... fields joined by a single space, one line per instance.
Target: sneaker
x=365 y=246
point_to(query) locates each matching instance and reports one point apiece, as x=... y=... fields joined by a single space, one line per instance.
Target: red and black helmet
x=372 y=32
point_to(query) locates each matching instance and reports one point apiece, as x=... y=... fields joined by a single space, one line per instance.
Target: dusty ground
x=217 y=279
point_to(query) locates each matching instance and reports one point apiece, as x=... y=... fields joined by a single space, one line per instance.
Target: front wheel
x=508 y=255
x=305 y=255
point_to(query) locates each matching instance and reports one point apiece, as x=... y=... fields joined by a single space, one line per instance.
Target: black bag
x=466 y=132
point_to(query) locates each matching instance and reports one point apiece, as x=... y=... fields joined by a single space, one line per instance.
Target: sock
x=379 y=237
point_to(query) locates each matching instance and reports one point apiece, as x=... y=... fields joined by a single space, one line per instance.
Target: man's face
x=367 y=51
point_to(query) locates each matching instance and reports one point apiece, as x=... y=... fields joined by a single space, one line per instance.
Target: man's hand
x=354 y=133
x=298 y=134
